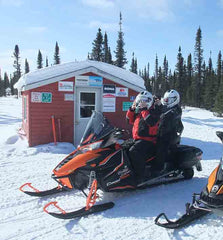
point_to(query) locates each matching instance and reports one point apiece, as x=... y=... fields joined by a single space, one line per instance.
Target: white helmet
x=170 y=98
x=144 y=96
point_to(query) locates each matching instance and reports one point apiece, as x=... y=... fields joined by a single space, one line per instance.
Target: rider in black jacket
x=170 y=129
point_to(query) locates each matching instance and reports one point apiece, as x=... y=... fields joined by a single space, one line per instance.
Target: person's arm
x=130 y=116
x=152 y=116
x=166 y=123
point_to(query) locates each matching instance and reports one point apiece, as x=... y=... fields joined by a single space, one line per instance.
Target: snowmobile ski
x=184 y=220
x=88 y=209
x=78 y=213
x=37 y=193
x=193 y=212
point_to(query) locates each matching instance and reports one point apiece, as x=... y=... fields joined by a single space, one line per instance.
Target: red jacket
x=145 y=124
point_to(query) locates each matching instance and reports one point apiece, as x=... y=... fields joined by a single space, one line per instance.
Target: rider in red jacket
x=144 y=115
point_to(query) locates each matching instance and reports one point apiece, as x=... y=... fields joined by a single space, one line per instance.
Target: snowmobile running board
x=37 y=193
x=166 y=178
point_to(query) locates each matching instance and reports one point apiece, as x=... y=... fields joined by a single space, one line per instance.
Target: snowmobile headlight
x=91 y=147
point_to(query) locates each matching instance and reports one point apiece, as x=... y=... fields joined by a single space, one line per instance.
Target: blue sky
x=150 y=27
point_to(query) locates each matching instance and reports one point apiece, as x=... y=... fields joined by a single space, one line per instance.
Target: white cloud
x=221 y=3
x=220 y=33
x=99 y=3
x=188 y=3
x=36 y=29
x=14 y=3
x=158 y=10
x=105 y=26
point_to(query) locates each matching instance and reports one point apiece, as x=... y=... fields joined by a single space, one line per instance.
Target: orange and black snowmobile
x=101 y=161
x=210 y=200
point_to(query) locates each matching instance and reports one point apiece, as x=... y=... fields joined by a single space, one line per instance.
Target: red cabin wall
x=40 y=116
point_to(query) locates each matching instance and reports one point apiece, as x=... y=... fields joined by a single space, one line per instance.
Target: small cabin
x=58 y=100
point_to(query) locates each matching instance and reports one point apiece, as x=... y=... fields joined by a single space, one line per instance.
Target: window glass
x=87 y=104
x=87 y=98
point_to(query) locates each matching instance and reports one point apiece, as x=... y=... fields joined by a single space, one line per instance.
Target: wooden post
x=54 y=130
x=59 y=129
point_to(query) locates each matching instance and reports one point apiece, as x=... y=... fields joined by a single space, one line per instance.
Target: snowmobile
x=101 y=161
x=210 y=200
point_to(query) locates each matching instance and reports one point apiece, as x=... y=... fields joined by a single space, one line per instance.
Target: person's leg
x=138 y=154
x=161 y=155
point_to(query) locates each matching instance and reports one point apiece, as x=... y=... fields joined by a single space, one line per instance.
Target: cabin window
x=87 y=104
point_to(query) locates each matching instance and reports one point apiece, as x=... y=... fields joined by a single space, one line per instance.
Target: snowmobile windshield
x=97 y=128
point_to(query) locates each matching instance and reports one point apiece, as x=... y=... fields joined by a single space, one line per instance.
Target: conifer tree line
x=200 y=84
x=7 y=83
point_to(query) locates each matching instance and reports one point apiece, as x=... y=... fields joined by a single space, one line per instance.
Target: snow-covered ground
x=22 y=217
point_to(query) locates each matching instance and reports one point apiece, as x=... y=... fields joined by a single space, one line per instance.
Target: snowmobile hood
x=212 y=195
x=78 y=160
x=215 y=181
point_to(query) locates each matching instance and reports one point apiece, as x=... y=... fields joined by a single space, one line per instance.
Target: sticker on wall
x=68 y=97
x=122 y=92
x=46 y=97
x=95 y=81
x=126 y=106
x=82 y=81
x=109 y=102
x=36 y=97
x=132 y=98
x=109 y=88
x=66 y=86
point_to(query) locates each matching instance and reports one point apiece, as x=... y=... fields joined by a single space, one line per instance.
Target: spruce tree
x=47 y=62
x=158 y=89
x=39 y=60
x=2 y=90
x=136 y=66
x=26 y=66
x=105 y=49
x=210 y=86
x=57 y=54
x=198 y=60
x=145 y=75
x=165 y=81
x=189 y=76
x=133 y=67
x=109 y=56
x=180 y=75
x=120 y=53
x=17 y=73
x=156 y=74
x=97 y=50
x=219 y=71
x=5 y=83
x=218 y=106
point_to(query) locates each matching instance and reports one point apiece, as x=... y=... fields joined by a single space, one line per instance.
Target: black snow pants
x=139 y=153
